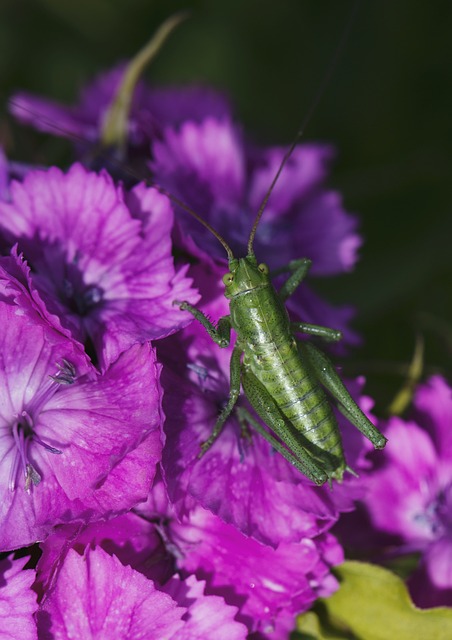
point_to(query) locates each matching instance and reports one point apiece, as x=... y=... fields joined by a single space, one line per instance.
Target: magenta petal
x=438 y=562
x=431 y=584
x=91 y=443
x=51 y=117
x=260 y=580
x=433 y=403
x=207 y=616
x=104 y=421
x=134 y=540
x=16 y=286
x=307 y=170
x=17 y=601
x=104 y=269
x=97 y=597
x=397 y=494
x=209 y=152
x=303 y=218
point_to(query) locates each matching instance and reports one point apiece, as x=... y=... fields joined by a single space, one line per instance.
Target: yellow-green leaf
x=114 y=129
x=374 y=604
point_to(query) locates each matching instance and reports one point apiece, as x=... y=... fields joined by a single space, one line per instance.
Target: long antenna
x=321 y=90
x=133 y=174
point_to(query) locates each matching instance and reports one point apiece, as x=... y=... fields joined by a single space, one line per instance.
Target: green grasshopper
x=282 y=377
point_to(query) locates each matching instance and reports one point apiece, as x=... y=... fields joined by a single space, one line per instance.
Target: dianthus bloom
x=101 y=258
x=407 y=501
x=256 y=585
x=64 y=453
x=95 y=596
x=245 y=482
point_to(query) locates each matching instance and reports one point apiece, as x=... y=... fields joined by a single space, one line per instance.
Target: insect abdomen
x=279 y=367
x=272 y=354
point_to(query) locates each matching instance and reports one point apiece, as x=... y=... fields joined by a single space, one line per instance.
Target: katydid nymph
x=282 y=376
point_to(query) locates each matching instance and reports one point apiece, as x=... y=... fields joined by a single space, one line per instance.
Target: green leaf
x=404 y=396
x=372 y=604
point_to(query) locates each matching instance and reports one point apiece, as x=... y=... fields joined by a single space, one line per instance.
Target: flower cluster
x=406 y=507
x=105 y=401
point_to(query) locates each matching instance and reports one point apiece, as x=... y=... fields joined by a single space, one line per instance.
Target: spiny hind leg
x=234 y=391
x=314 y=474
x=327 y=375
x=296 y=453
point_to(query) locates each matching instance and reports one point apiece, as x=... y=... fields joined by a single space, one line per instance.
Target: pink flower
x=407 y=501
x=74 y=445
x=17 y=600
x=94 y=595
x=101 y=259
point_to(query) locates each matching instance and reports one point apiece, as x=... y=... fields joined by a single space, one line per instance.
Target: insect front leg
x=327 y=375
x=265 y=406
x=234 y=391
x=299 y=270
x=221 y=334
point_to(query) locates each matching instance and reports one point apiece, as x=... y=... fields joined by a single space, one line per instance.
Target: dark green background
x=387 y=109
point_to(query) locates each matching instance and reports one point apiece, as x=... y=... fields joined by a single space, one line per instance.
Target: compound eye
x=228 y=279
x=263 y=268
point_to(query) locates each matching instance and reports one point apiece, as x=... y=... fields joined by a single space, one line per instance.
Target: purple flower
x=17 y=600
x=101 y=258
x=210 y=168
x=262 y=587
x=407 y=505
x=152 y=108
x=74 y=445
x=92 y=580
x=135 y=540
x=96 y=596
x=265 y=583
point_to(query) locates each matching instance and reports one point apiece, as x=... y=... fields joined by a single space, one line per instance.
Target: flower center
x=23 y=429
x=443 y=510
x=79 y=297
x=437 y=516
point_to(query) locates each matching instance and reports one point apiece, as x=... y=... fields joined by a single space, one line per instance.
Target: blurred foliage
x=387 y=109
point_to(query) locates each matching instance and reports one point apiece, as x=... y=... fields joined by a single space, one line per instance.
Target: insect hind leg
x=234 y=391
x=296 y=453
x=329 y=378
